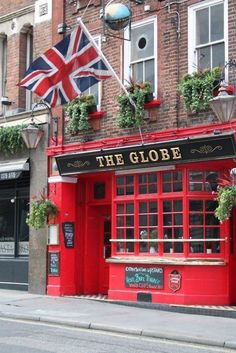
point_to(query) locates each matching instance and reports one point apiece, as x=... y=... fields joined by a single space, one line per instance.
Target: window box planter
x=95 y=120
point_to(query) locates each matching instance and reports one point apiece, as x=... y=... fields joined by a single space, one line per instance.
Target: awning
x=12 y=169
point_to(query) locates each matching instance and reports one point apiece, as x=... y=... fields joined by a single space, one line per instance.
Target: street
x=27 y=337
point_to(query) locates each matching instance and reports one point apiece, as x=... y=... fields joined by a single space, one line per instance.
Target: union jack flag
x=66 y=70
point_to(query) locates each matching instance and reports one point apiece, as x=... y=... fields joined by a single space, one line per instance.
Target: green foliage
x=128 y=115
x=40 y=210
x=11 y=141
x=226 y=200
x=197 y=89
x=78 y=112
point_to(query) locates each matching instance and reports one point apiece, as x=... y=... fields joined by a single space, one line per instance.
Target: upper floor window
x=29 y=59
x=25 y=59
x=140 y=54
x=3 y=65
x=95 y=89
x=207 y=35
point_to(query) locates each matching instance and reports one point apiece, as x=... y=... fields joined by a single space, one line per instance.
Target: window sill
x=167 y=260
x=154 y=103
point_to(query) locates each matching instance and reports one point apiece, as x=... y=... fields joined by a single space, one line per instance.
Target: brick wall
x=172 y=65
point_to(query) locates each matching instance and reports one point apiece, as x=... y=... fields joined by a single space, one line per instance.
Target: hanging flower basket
x=40 y=211
x=226 y=197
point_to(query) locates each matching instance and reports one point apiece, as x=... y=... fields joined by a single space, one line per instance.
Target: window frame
x=192 y=54
x=184 y=239
x=127 y=50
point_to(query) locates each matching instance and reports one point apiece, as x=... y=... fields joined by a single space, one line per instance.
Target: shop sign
x=9 y=175
x=149 y=155
x=174 y=281
x=144 y=277
x=7 y=248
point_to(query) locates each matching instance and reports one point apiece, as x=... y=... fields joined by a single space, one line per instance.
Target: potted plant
x=78 y=111
x=198 y=88
x=153 y=244
x=226 y=197
x=40 y=210
x=131 y=115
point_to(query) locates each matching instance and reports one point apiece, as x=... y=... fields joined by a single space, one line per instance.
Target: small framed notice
x=69 y=234
x=54 y=263
x=53 y=234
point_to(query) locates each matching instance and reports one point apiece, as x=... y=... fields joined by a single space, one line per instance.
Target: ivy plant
x=197 y=89
x=40 y=211
x=78 y=113
x=11 y=141
x=131 y=115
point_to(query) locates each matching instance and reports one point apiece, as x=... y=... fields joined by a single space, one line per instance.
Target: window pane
x=142 y=44
x=195 y=219
x=217 y=22
x=218 y=55
x=202 y=26
x=137 y=72
x=178 y=206
x=148 y=73
x=166 y=206
x=143 y=207
x=195 y=205
x=204 y=58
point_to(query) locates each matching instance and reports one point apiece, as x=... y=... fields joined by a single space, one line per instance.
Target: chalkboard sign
x=53 y=263
x=143 y=277
x=68 y=231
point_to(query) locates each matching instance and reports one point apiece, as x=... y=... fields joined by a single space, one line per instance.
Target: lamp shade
x=31 y=135
x=224 y=104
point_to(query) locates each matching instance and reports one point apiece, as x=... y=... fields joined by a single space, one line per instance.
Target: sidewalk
x=108 y=316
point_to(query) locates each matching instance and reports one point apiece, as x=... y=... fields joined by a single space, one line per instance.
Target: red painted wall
x=208 y=285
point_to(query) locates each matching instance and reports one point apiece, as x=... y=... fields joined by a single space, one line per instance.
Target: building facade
x=136 y=204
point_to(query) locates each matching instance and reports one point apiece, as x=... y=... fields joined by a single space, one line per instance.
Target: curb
x=121 y=330
x=208 y=311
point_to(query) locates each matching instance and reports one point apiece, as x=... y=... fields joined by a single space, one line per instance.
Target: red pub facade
x=136 y=206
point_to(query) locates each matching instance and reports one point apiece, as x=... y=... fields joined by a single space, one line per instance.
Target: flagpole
x=109 y=66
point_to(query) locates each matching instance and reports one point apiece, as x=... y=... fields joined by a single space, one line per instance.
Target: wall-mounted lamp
x=5 y=101
x=32 y=134
x=224 y=104
x=62 y=28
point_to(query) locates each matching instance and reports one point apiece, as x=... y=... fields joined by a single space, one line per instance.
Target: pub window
x=125 y=185
x=173 y=225
x=168 y=212
x=203 y=180
x=203 y=225
x=172 y=181
x=125 y=227
x=147 y=183
x=148 y=227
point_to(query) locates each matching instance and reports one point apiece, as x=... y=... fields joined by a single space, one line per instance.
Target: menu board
x=54 y=263
x=69 y=233
x=143 y=277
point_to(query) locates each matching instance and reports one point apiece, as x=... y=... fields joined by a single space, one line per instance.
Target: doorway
x=97 y=250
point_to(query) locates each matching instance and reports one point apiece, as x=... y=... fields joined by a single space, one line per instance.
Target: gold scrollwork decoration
x=78 y=164
x=205 y=149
